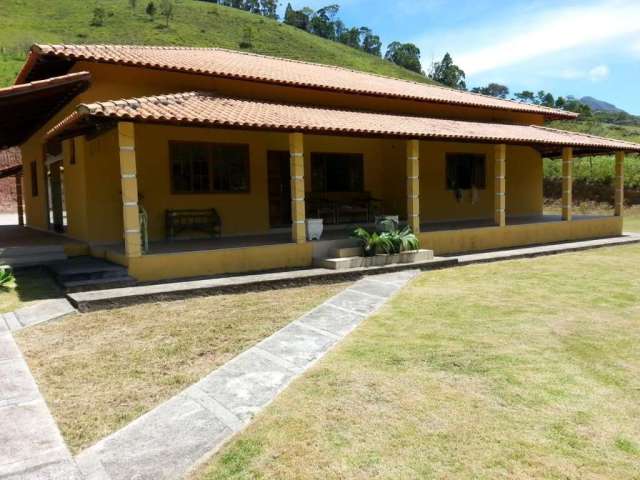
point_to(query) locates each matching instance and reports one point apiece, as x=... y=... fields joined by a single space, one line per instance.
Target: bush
x=98 y=17
x=6 y=277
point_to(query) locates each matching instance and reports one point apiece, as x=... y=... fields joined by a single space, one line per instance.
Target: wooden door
x=279 y=179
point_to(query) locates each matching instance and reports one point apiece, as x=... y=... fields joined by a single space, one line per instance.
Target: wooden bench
x=201 y=220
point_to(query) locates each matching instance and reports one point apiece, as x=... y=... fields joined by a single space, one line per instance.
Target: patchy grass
x=195 y=23
x=514 y=370
x=99 y=371
x=30 y=285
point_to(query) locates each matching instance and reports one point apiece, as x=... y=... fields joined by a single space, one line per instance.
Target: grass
x=30 y=285
x=515 y=370
x=195 y=23
x=99 y=371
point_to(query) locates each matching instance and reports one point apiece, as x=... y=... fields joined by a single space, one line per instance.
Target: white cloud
x=544 y=33
x=601 y=72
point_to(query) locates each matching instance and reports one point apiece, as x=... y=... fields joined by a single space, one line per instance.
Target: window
x=209 y=167
x=337 y=172
x=34 y=179
x=465 y=171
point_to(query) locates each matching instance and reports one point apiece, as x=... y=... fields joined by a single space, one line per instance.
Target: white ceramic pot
x=315 y=227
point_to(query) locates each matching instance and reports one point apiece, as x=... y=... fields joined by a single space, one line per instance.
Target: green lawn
x=195 y=23
x=30 y=285
x=514 y=370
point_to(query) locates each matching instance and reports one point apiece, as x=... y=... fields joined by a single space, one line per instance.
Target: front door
x=279 y=178
x=55 y=188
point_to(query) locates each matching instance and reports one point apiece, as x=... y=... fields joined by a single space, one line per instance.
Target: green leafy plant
x=6 y=277
x=399 y=240
x=372 y=242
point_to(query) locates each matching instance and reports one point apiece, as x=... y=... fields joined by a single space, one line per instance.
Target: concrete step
x=32 y=260
x=99 y=284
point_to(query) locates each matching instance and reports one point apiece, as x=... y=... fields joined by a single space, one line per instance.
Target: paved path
x=42 y=311
x=168 y=441
x=31 y=447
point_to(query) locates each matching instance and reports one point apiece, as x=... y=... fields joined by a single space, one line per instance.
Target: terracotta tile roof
x=247 y=66
x=25 y=108
x=209 y=110
x=39 y=85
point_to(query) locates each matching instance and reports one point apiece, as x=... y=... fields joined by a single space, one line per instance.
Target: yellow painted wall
x=213 y=262
x=487 y=238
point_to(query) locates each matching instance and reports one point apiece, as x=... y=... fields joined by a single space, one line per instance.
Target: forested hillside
x=191 y=23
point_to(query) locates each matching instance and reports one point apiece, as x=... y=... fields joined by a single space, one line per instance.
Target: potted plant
x=403 y=243
x=372 y=244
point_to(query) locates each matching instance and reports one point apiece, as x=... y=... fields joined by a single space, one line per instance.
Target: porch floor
x=17 y=236
x=331 y=234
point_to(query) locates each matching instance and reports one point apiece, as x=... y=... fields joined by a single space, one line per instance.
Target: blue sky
x=589 y=47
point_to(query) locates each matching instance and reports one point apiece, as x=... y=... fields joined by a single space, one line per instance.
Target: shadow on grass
x=30 y=285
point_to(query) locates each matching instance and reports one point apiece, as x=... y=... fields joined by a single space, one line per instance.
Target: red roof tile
x=248 y=66
x=205 y=109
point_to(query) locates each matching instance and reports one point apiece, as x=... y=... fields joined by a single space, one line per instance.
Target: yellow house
x=179 y=162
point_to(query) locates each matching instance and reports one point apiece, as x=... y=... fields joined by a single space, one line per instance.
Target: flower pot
x=315 y=227
x=393 y=258
x=411 y=256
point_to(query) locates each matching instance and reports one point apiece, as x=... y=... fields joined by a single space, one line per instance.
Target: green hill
x=195 y=23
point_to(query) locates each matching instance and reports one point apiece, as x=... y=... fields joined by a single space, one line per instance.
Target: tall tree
x=350 y=37
x=493 y=90
x=298 y=18
x=166 y=10
x=322 y=22
x=406 y=55
x=525 y=96
x=448 y=73
x=370 y=43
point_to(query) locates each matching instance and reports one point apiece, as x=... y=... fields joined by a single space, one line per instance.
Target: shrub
x=399 y=240
x=98 y=17
x=6 y=277
x=372 y=243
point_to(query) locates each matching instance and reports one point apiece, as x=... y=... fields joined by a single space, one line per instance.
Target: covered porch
x=460 y=186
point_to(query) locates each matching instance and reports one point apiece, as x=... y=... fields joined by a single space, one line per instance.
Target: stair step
x=32 y=260
x=98 y=284
x=29 y=251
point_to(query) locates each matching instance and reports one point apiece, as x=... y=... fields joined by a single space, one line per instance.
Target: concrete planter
x=412 y=256
x=343 y=263
x=315 y=227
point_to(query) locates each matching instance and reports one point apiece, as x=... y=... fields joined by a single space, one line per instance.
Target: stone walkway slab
x=171 y=439
x=31 y=447
x=42 y=311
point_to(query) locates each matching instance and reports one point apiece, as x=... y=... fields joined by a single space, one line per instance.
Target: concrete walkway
x=170 y=440
x=40 y=312
x=31 y=447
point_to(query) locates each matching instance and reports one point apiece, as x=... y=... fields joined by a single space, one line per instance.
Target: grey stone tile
x=26 y=431
x=246 y=384
x=3 y=324
x=8 y=348
x=357 y=302
x=44 y=311
x=373 y=287
x=332 y=319
x=12 y=321
x=59 y=470
x=16 y=383
x=298 y=344
x=162 y=444
x=399 y=278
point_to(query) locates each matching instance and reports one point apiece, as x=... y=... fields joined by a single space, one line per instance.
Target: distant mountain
x=600 y=105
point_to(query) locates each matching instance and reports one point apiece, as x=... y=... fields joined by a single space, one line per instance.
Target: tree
x=247 y=38
x=268 y=8
x=98 y=17
x=298 y=18
x=448 y=73
x=525 y=96
x=166 y=10
x=133 y=4
x=493 y=90
x=350 y=37
x=370 y=43
x=151 y=10
x=322 y=22
x=406 y=55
